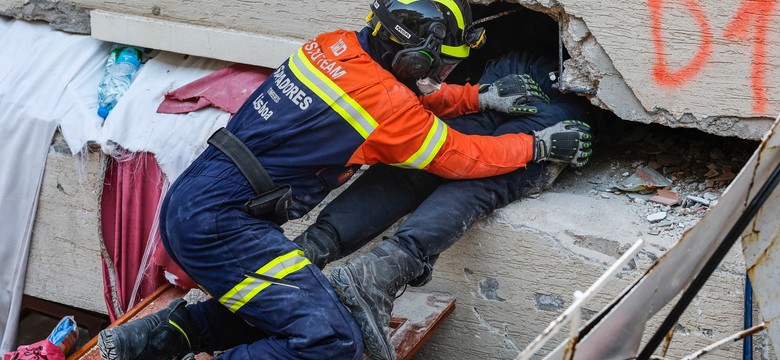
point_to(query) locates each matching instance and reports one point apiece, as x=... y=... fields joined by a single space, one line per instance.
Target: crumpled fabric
x=226 y=89
x=42 y=350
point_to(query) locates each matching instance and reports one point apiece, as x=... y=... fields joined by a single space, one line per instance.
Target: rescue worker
x=343 y=99
x=441 y=210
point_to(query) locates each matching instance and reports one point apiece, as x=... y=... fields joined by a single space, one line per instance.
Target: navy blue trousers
x=442 y=210
x=206 y=232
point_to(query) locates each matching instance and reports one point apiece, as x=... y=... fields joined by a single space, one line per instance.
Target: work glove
x=512 y=95
x=567 y=142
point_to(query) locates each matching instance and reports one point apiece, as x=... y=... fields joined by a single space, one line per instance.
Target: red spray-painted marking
x=661 y=72
x=757 y=14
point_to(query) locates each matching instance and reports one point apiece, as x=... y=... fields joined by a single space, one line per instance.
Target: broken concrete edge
x=591 y=73
x=590 y=68
x=60 y=15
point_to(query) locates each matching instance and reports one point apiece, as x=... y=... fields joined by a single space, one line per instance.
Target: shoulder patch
x=339 y=47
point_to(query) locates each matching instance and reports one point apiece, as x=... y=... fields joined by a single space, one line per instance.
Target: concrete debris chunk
x=699 y=200
x=656 y=217
x=711 y=196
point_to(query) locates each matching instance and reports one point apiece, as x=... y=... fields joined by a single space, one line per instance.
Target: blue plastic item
x=65 y=334
x=122 y=65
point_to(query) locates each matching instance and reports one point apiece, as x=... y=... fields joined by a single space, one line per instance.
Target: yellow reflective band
x=332 y=94
x=450 y=4
x=456 y=51
x=181 y=331
x=430 y=147
x=248 y=288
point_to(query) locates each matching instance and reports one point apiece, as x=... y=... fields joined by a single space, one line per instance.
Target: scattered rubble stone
x=699 y=200
x=698 y=168
x=656 y=217
x=711 y=196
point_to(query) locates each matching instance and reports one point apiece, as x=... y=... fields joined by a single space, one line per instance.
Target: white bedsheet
x=38 y=70
x=175 y=139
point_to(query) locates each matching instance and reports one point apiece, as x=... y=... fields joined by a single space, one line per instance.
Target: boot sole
x=346 y=291
x=107 y=345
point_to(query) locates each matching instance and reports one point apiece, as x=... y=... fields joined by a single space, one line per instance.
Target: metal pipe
x=567 y=315
x=560 y=84
x=747 y=342
x=731 y=339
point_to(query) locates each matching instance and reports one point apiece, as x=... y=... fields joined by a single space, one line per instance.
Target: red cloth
x=131 y=194
x=133 y=188
x=42 y=350
x=226 y=89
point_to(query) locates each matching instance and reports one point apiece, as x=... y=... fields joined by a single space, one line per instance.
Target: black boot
x=159 y=336
x=367 y=285
x=320 y=243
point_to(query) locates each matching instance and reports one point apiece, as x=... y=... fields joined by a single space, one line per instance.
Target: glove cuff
x=539 y=150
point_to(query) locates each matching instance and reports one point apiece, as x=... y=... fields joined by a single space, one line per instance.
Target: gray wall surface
x=710 y=65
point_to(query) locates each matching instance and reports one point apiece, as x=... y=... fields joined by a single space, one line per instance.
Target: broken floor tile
x=666 y=197
x=644 y=179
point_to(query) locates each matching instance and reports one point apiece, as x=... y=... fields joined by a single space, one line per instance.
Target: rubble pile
x=673 y=175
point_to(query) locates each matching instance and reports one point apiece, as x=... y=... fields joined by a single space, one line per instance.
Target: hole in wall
x=698 y=164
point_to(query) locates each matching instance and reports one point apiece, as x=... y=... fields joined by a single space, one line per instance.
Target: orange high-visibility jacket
x=330 y=106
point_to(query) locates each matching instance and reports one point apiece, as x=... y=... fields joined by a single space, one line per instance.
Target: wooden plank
x=157 y=300
x=415 y=316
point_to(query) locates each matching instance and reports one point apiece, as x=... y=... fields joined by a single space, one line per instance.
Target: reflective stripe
x=456 y=51
x=430 y=147
x=332 y=94
x=450 y=4
x=181 y=331
x=248 y=288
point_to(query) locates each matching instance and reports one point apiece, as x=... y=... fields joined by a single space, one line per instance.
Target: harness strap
x=237 y=151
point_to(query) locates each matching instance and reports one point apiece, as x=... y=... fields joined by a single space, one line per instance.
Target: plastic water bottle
x=122 y=65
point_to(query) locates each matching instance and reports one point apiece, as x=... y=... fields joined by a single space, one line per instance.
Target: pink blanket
x=226 y=89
